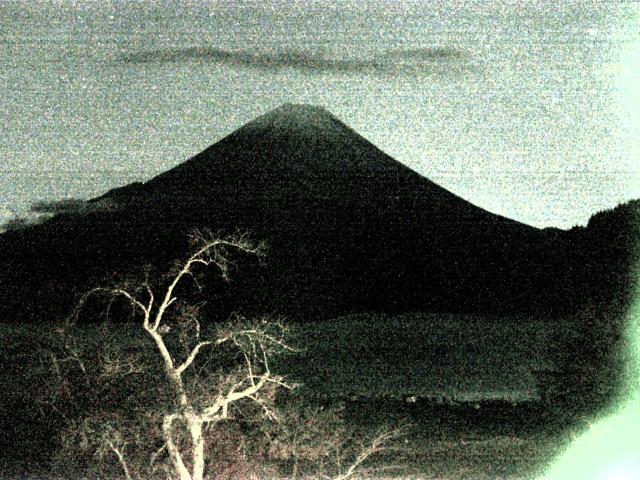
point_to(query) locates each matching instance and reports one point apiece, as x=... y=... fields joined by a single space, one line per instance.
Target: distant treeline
x=45 y=266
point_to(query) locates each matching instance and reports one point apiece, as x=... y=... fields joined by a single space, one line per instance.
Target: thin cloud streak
x=392 y=61
x=427 y=54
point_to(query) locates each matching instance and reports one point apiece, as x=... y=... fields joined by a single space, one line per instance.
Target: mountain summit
x=313 y=120
x=349 y=229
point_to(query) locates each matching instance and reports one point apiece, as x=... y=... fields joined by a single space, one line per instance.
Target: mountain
x=300 y=153
x=348 y=229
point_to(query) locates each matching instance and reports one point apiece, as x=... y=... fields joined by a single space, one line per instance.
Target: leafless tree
x=199 y=376
x=315 y=441
x=353 y=467
x=198 y=408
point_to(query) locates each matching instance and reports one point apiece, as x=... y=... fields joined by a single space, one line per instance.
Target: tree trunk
x=197 y=446
x=172 y=449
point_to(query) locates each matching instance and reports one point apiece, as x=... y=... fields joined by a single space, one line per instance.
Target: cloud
x=426 y=54
x=391 y=61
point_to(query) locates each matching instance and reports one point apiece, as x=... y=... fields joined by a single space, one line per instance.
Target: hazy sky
x=528 y=109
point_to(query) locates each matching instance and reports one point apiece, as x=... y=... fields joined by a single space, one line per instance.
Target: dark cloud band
x=389 y=61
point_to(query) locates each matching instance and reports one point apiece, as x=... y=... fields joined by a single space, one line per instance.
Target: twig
x=121 y=460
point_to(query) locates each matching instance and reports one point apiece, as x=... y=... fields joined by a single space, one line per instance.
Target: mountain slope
x=349 y=229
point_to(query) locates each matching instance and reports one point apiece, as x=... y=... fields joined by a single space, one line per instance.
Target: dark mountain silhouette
x=348 y=229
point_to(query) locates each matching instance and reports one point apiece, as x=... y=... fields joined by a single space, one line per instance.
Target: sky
x=528 y=109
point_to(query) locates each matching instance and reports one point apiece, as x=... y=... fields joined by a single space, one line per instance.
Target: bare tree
x=197 y=406
x=366 y=450
x=316 y=443
x=165 y=422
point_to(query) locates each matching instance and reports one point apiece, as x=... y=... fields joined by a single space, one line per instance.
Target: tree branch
x=377 y=445
x=211 y=413
x=198 y=258
x=121 y=460
x=132 y=299
x=192 y=356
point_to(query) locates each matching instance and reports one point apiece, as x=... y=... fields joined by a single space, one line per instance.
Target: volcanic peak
x=299 y=120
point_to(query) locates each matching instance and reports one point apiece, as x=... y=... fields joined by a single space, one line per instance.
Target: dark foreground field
x=497 y=441
x=462 y=385
x=442 y=442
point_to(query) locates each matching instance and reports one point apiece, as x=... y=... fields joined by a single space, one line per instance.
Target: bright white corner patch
x=610 y=449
